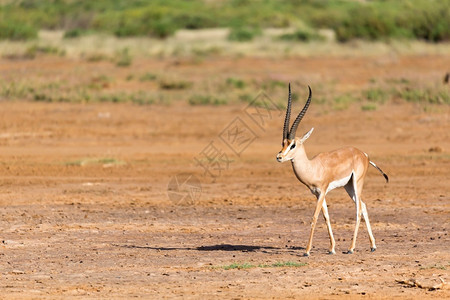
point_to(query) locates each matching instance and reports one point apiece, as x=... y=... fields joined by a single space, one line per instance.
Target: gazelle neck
x=302 y=166
x=300 y=155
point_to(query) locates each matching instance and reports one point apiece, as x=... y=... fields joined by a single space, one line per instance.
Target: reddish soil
x=85 y=210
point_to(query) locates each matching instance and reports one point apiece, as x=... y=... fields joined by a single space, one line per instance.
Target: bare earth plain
x=84 y=199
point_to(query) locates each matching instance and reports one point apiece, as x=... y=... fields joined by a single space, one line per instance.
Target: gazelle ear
x=306 y=136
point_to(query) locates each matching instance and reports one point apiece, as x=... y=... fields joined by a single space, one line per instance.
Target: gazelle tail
x=381 y=171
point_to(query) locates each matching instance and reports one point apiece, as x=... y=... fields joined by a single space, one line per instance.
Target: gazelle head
x=290 y=143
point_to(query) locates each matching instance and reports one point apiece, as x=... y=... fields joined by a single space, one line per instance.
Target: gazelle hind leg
x=359 y=188
x=373 y=247
x=350 y=187
x=330 y=231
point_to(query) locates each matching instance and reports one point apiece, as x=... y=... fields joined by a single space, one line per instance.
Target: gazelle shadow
x=221 y=247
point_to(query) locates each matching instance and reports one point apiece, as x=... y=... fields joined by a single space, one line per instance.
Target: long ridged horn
x=300 y=116
x=287 y=118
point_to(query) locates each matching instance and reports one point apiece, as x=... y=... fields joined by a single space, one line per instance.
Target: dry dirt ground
x=85 y=210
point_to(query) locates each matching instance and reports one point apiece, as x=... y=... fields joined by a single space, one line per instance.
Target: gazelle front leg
x=330 y=232
x=319 y=206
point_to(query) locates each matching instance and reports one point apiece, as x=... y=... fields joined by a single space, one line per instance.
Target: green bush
x=123 y=58
x=124 y=28
x=377 y=95
x=74 y=33
x=272 y=84
x=148 y=77
x=235 y=82
x=162 y=28
x=342 y=102
x=170 y=84
x=206 y=100
x=369 y=107
x=425 y=19
x=141 y=98
x=371 y=20
x=96 y=57
x=195 y=20
x=301 y=35
x=246 y=98
x=430 y=21
x=366 y=22
x=32 y=51
x=152 y=21
x=13 y=30
x=430 y=96
x=243 y=34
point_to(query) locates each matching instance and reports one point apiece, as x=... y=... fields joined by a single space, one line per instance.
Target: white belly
x=338 y=183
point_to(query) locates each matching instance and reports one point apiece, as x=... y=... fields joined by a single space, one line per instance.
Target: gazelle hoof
x=331 y=252
x=373 y=249
x=306 y=254
x=348 y=252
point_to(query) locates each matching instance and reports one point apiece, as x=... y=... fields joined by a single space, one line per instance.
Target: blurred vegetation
x=16 y=30
x=167 y=88
x=206 y=100
x=123 y=58
x=301 y=35
x=371 y=20
x=243 y=33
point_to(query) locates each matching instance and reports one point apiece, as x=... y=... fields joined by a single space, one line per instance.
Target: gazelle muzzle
x=287 y=147
x=280 y=157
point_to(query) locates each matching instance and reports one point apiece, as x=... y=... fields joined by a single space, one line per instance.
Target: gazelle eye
x=293 y=146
